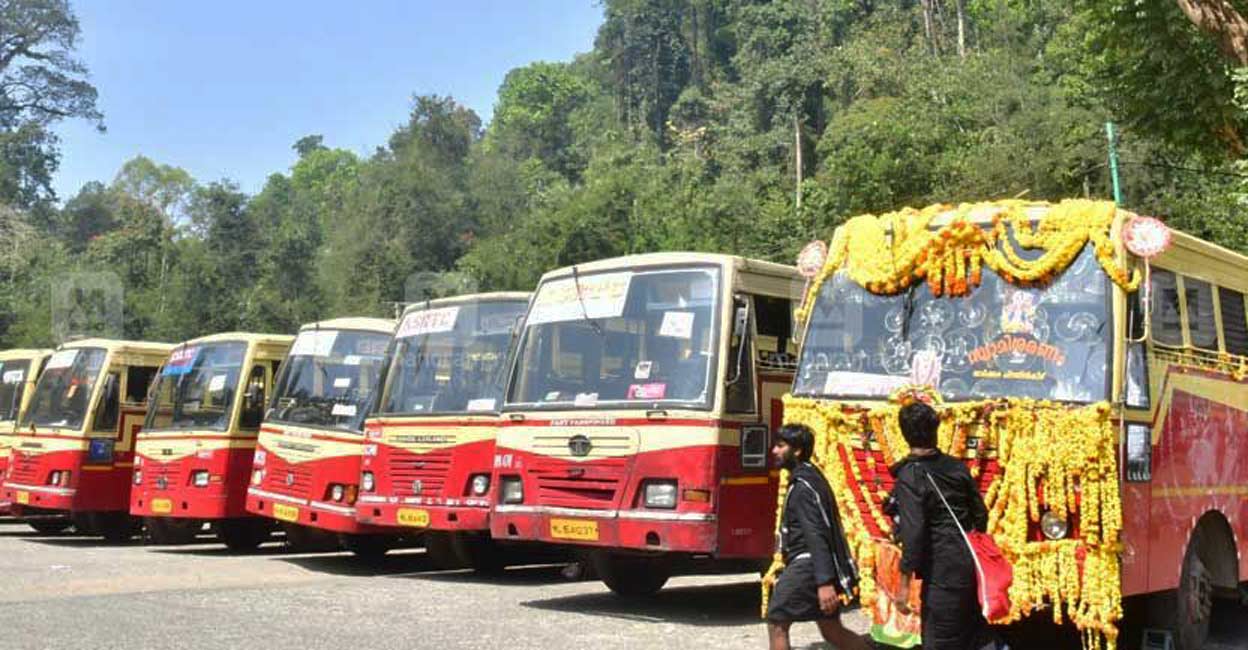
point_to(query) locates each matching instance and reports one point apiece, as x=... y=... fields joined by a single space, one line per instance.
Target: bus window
x=1201 y=327
x=106 y=417
x=1137 y=364
x=1167 y=319
x=1234 y=328
x=138 y=381
x=253 y=399
x=740 y=387
x=774 y=325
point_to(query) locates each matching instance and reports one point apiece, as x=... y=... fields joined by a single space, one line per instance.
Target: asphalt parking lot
x=65 y=592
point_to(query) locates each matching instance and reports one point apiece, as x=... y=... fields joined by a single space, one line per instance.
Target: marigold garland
x=1052 y=456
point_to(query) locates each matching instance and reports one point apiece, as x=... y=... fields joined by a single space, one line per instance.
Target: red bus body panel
x=168 y=489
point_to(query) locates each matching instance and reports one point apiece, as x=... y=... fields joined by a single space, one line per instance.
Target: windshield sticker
x=642 y=371
x=428 y=321
x=551 y=396
x=370 y=346
x=217 y=383
x=1017 y=347
x=677 y=324
x=1018 y=316
x=317 y=343
x=482 y=404
x=498 y=323
x=13 y=376
x=600 y=296
x=62 y=359
x=586 y=399
x=351 y=360
x=647 y=391
x=343 y=410
x=342 y=382
x=925 y=368
x=862 y=383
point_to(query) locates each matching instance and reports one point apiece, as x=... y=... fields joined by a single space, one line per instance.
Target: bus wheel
x=169 y=531
x=1210 y=565
x=440 y=549
x=481 y=553
x=49 y=526
x=631 y=576
x=303 y=539
x=115 y=527
x=245 y=534
x=368 y=548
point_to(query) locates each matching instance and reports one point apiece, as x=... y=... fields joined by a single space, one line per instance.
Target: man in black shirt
x=932 y=547
x=818 y=569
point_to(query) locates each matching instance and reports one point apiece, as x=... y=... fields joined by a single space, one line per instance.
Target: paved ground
x=65 y=593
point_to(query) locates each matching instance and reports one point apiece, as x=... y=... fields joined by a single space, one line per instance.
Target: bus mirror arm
x=740 y=327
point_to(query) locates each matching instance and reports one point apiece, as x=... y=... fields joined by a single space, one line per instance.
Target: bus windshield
x=451 y=359
x=620 y=338
x=196 y=387
x=328 y=378
x=1001 y=340
x=63 y=394
x=12 y=385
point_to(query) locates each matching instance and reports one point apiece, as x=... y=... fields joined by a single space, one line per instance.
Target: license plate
x=411 y=517
x=162 y=506
x=23 y=497
x=285 y=512
x=580 y=529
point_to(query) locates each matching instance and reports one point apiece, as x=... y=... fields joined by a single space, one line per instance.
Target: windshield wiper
x=907 y=310
x=576 y=280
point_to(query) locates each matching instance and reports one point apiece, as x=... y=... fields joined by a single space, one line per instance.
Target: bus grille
x=162 y=476
x=24 y=469
x=592 y=484
x=290 y=479
x=429 y=468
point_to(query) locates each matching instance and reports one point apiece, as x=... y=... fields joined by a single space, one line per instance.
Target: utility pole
x=1112 y=135
x=797 y=151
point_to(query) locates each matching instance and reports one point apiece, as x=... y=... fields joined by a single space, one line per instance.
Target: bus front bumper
x=334 y=517
x=642 y=530
x=377 y=510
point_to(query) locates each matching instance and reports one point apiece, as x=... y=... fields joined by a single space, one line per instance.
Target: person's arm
x=817 y=533
x=911 y=532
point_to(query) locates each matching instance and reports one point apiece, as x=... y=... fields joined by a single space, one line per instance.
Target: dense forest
x=687 y=127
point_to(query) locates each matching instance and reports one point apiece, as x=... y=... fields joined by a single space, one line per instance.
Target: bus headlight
x=200 y=478
x=660 y=494
x=511 y=490
x=368 y=482
x=138 y=476
x=257 y=476
x=480 y=484
x=1053 y=526
x=336 y=492
x=65 y=474
x=55 y=478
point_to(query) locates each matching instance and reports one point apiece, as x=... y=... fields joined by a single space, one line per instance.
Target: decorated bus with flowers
x=18 y=371
x=638 y=413
x=306 y=468
x=429 y=446
x=1089 y=367
x=73 y=453
x=193 y=458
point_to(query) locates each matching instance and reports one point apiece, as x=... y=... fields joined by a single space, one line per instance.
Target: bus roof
x=664 y=259
x=244 y=337
x=125 y=347
x=496 y=296
x=381 y=325
x=23 y=354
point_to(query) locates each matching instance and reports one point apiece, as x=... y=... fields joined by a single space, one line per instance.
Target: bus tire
x=245 y=534
x=170 y=531
x=49 y=526
x=480 y=553
x=367 y=548
x=304 y=539
x=631 y=576
x=1210 y=563
x=440 y=549
x=115 y=527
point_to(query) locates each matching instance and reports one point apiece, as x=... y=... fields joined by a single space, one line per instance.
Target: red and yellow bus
x=1109 y=442
x=18 y=371
x=306 y=469
x=193 y=457
x=430 y=441
x=74 y=450
x=638 y=414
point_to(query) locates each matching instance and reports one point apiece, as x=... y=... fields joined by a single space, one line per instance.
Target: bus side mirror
x=740 y=327
x=740 y=320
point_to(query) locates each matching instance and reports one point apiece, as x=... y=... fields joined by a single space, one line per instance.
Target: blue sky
x=223 y=88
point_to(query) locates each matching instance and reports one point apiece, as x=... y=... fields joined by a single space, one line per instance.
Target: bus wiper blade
x=576 y=280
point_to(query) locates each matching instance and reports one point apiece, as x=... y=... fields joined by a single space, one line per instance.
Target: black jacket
x=931 y=545
x=811 y=526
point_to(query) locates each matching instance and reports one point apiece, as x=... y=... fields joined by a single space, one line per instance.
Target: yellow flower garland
x=1070 y=451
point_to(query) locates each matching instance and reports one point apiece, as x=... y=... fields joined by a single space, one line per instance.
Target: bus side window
x=739 y=394
x=1137 y=355
x=253 y=399
x=774 y=324
x=1167 y=317
x=1201 y=327
x=1234 y=327
x=138 y=383
x=110 y=404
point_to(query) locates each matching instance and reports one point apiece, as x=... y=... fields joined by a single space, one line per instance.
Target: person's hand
x=828 y=602
x=902 y=606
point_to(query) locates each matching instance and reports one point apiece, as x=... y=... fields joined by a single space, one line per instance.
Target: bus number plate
x=574 y=529
x=23 y=497
x=285 y=512
x=162 y=506
x=411 y=517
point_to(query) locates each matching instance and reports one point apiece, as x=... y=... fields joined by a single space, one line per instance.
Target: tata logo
x=417 y=486
x=290 y=479
x=579 y=445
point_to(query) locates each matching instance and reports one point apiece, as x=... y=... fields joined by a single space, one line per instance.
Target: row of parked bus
x=625 y=411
